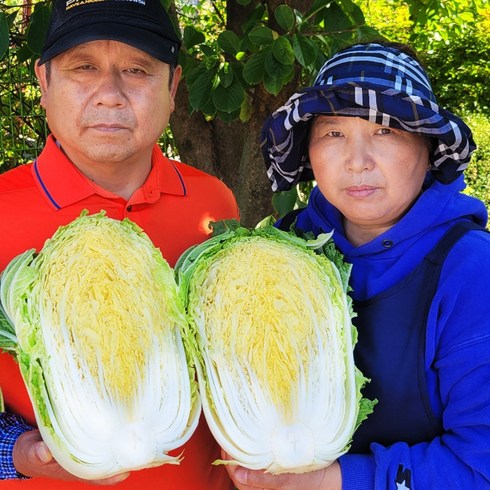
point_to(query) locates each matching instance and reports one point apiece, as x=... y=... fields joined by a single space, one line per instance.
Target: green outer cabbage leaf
x=95 y=322
x=279 y=387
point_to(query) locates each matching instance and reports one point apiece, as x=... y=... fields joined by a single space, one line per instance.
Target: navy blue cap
x=143 y=24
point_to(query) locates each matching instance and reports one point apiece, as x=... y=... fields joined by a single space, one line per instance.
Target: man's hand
x=33 y=458
x=326 y=479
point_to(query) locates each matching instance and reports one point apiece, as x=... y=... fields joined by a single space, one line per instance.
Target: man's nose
x=109 y=90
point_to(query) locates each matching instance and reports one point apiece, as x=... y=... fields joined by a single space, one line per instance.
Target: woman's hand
x=33 y=458
x=326 y=479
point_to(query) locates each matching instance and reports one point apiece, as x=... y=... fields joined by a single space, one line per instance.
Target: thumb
x=41 y=452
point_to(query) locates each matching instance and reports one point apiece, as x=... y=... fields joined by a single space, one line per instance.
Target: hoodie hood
x=391 y=256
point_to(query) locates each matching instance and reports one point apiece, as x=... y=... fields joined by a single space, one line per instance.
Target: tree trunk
x=230 y=151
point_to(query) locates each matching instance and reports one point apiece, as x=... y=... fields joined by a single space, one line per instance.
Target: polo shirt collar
x=62 y=184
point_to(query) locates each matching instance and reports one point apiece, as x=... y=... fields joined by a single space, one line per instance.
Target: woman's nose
x=359 y=155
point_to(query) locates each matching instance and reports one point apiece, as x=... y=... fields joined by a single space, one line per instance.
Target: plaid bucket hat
x=379 y=83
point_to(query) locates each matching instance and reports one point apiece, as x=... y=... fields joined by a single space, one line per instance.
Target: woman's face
x=371 y=173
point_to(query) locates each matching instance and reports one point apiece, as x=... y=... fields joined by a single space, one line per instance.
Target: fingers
x=33 y=458
x=31 y=453
x=325 y=479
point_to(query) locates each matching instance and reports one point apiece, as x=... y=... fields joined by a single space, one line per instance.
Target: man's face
x=107 y=102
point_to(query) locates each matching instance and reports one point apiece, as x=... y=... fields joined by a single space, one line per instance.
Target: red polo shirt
x=174 y=207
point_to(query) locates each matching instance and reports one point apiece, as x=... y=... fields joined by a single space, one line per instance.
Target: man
x=108 y=76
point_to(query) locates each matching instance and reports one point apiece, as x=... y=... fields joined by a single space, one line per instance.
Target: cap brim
x=165 y=50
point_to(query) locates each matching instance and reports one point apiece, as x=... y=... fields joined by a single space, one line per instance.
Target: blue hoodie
x=457 y=342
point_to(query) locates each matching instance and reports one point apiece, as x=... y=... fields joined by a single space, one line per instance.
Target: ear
x=42 y=78
x=174 y=85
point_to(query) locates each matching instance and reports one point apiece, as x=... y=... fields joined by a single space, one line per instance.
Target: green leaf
x=23 y=53
x=226 y=75
x=11 y=18
x=272 y=84
x=38 y=28
x=256 y=16
x=283 y=202
x=229 y=42
x=200 y=90
x=228 y=116
x=243 y=2
x=193 y=69
x=254 y=69
x=354 y=11
x=192 y=37
x=4 y=35
x=336 y=19
x=246 y=109
x=238 y=74
x=283 y=51
x=262 y=36
x=209 y=52
x=228 y=99
x=304 y=50
x=368 y=33
x=285 y=17
x=276 y=69
x=209 y=108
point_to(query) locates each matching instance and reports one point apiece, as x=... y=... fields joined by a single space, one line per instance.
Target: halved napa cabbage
x=95 y=322
x=273 y=340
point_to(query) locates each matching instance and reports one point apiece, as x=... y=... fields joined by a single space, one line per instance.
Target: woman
x=388 y=163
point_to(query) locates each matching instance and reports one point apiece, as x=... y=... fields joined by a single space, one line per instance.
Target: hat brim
x=284 y=138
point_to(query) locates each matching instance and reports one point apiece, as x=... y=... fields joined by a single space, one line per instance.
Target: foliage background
x=243 y=58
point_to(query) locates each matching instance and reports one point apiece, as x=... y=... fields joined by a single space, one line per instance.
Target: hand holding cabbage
x=273 y=342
